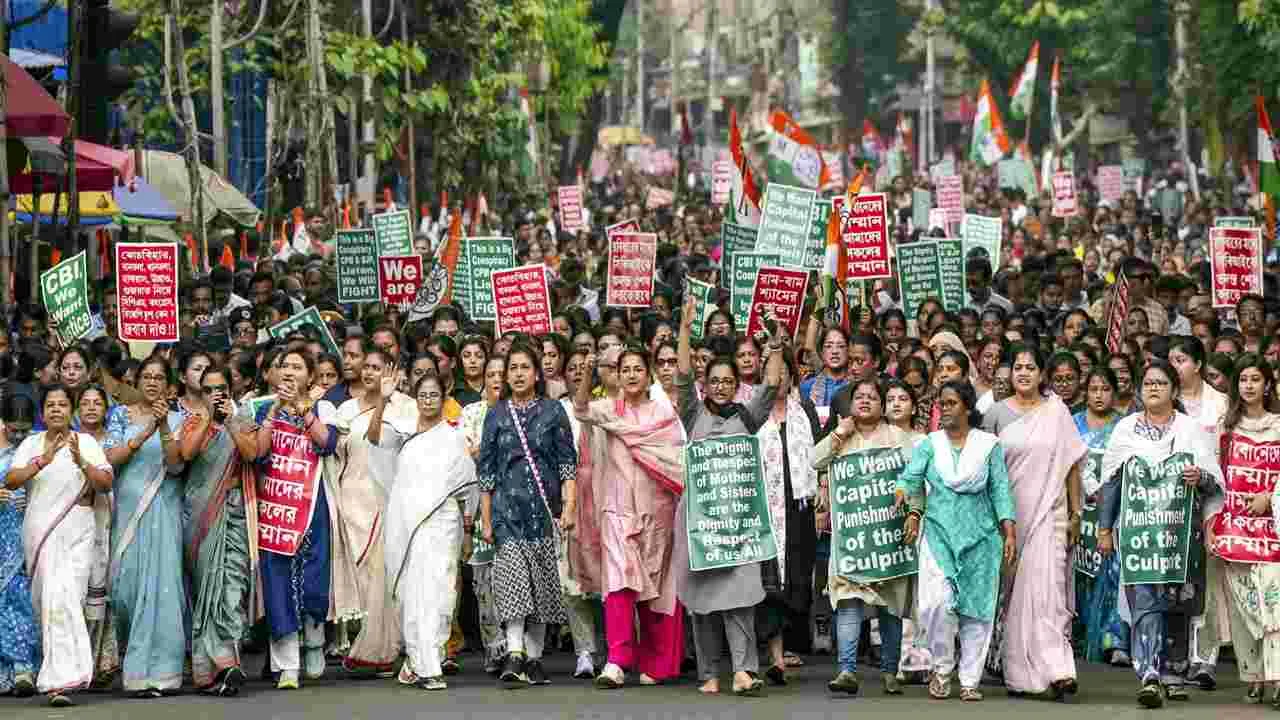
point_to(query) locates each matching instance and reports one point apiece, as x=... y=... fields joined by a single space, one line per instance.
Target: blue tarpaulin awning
x=139 y=199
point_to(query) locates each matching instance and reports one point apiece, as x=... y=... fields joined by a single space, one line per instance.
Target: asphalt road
x=472 y=695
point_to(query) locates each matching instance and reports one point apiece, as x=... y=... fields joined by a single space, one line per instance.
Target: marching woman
x=1042 y=452
x=527 y=468
x=19 y=634
x=1106 y=632
x=473 y=415
x=92 y=410
x=865 y=429
x=962 y=471
x=293 y=523
x=1161 y=612
x=791 y=483
x=60 y=470
x=581 y=556
x=424 y=521
x=220 y=551
x=1250 y=444
x=637 y=485
x=357 y=501
x=722 y=601
x=148 y=593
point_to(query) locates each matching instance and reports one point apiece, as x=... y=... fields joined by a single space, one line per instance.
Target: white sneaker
x=611 y=678
x=586 y=668
x=313 y=663
x=288 y=680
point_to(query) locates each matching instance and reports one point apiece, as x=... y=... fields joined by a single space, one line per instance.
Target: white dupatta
x=969 y=475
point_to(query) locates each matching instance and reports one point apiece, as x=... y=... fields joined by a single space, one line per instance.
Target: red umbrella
x=97 y=170
x=29 y=109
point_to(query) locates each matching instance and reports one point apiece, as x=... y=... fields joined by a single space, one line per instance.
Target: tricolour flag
x=990 y=143
x=1024 y=85
x=1268 y=165
x=872 y=143
x=794 y=157
x=1055 y=85
x=744 y=195
x=835 y=266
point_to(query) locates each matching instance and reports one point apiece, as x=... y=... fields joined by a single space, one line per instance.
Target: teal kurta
x=963 y=530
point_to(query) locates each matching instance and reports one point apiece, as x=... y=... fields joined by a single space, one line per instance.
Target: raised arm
x=374 y=434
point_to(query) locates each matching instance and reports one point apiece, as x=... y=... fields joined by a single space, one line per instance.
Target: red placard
x=1064 y=194
x=399 y=278
x=1235 y=254
x=1111 y=183
x=951 y=198
x=287 y=499
x=1249 y=469
x=147 y=278
x=866 y=237
x=1118 y=315
x=632 y=258
x=570 y=202
x=521 y=301
x=782 y=291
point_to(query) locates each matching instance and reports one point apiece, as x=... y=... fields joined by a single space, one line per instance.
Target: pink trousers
x=659 y=649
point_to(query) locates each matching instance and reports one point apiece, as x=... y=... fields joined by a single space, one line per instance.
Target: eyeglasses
x=429 y=396
x=667 y=362
x=1155 y=384
x=721 y=382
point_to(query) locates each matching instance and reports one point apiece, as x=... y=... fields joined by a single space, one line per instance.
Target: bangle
x=38 y=463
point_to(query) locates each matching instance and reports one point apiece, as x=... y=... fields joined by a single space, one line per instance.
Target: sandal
x=1254 y=696
x=939 y=689
x=791 y=660
x=710 y=687
x=776 y=675
x=972 y=694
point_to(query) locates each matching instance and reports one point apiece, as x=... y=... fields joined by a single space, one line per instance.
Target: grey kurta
x=708 y=591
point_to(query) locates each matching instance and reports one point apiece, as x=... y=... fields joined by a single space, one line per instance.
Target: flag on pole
x=990 y=143
x=835 y=266
x=1055 y=85
x=872 y=143
x=794 y=158
x=449 y=257
x=1268 y=165
x=744 y=196
x=1024 y=85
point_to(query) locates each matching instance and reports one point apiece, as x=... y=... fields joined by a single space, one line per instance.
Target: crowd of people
x=166 y=511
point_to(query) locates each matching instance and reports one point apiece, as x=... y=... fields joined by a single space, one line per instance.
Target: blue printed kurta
x=19 y=636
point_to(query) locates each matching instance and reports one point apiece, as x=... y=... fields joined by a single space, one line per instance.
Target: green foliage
x=866 y=54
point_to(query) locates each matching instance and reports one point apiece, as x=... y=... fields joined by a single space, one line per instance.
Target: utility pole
x=1181 y=10
x=675 y=70
x=930 y=79
x=709 y=116
x=216 y=100
x=5 y=267
x=640 y=65
x=315 y=134
x=411 y=197
x=367 y=180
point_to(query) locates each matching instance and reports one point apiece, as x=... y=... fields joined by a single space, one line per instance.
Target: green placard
x=816 y=251
x=743 y=283
x=484 y=255
x=395 y=236
x=1155 y=521
x=310 y=316
x=1133 y=171
x=951 y=272
x=1088 y=561
x=461 y=280
x=726 y=514
x=702 y=305
x=1235 y=222
x=784 y=223
x=919 y=277
x=734 y=239
x=64 y=289
x=357 y=261
x=921 y=204
x=866 y=528
x=980 y=231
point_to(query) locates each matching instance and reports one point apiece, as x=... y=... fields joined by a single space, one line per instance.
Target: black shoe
x=1176 y=692
x=513 y=670
x=450 y=666
x=776 y=675
x=534 y=674
x=1149 y=696
x=229 y=682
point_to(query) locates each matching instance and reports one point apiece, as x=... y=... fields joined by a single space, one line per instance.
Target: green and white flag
x=1024 y=86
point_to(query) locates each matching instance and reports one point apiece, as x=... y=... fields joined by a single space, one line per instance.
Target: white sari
x=427 y=476
x=58 y=541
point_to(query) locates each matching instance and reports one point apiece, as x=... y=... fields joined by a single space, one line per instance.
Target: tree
x=868 y=41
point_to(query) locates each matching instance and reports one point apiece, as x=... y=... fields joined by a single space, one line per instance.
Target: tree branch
x=262 y=14
x=288 y=18
x=44 y=10
x=168 y=79
x=391 y=13
x=1090 y=110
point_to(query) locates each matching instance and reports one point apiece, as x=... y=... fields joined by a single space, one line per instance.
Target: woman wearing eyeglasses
x=722 y=601
x=92 y=411
x=1161 y=613
x=148 y=594
x=217 y=537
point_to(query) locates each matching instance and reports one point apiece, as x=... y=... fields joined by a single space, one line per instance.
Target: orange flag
x=387 y=203
x=244 y=244
x=228 y=260
x=191 y=250
x=55 y=256
x=452 y=250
